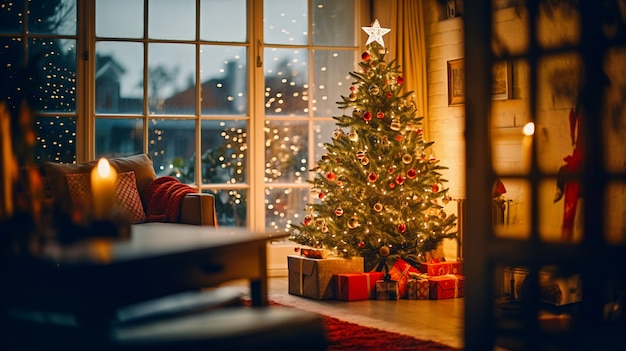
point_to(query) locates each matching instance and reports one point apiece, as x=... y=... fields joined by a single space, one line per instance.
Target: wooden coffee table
x=97 y=276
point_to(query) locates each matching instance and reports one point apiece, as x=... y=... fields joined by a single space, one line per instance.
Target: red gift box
x=446 y=286
x=400 y=273
x=418 y=289
x=441 y=268
x=357 y=286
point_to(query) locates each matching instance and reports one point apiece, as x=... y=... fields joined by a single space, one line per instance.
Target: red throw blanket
x=163 y=197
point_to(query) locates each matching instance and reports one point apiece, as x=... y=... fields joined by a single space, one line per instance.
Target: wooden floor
x=438 y=320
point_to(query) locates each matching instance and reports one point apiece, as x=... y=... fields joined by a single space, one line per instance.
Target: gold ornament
x=384 y=251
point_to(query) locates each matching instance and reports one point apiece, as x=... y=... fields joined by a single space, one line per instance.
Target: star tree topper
x=376 y=33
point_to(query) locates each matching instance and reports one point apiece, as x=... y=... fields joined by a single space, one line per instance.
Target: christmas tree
x=377 y=192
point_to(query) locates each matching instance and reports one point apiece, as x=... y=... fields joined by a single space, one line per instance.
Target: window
x=236 y=106
x=38 y=66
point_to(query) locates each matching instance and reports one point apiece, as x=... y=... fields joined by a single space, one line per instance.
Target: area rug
x=347 y=336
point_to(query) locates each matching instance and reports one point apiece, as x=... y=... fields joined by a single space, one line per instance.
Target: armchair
x=66 y=184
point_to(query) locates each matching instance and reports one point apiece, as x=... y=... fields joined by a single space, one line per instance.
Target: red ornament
x=389 y=95
x=321 y=196
x=367 y=116
x=420 y=131
x=392 y=169
x=361 y=245
x=411 y=173
x=401 y=227
x=330 y=176
x=400 y=179
x=372 y=177
x=399 y=79
x=365 y=56
x=307 y=220
x=352 y=88
x=435 y=188
x=380 y=115
x=399 y=137
x=392 y=185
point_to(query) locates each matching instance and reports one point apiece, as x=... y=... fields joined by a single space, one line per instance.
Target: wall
x=557 y=91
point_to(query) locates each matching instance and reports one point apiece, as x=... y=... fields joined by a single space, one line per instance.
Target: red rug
x=346 y=336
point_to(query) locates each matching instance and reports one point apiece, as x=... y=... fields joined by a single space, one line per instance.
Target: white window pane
x=286 y=150
x=223 y=72
x=119 y=69
x=286 y=22
x=332 y=79
x=171 y=78
x=169 y=19
x=286 y=82
x=172 y=145
x=119 y=18
x=334 y=22
x=223 y=20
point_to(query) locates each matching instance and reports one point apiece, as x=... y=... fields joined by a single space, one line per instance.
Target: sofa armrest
x=198 y=209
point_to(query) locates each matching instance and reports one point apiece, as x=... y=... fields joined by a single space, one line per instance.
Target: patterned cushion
x=127 y=200
x=56 y=183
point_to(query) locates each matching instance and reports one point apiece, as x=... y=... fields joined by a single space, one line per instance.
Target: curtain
x=408 y=41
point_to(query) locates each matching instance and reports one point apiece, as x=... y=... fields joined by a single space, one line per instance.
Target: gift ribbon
x=456 y=283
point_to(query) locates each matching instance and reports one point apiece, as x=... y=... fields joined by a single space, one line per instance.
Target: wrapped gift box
x=446 y=286
x=441 y=268
x=400 y=273
x=357 y=286
x=555 y=289
x=418 y=288
x=314 y=278
x=387 y=290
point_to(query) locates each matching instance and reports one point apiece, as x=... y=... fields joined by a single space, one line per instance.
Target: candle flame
x=104 y=168
x=529 y=128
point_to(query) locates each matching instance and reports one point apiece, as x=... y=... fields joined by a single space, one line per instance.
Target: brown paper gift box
x=314 y=278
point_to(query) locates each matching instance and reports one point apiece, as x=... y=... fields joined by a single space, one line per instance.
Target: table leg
x=258 y=287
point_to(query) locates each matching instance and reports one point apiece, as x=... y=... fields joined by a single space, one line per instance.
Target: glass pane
x=172 y=19
x=52 y=17
x=509 y=150
x=560 y=211
x=171 y=79
x=331 y=80
x=224 y=152
x=172 y=145
x=558 y=24
x=505 y=21
x=284 y=206
x=116 y=137
x=615 y=213
x=214 y=26
x=13 y=83
x=614 y=122
x=119 y=69
x=286 y=151
x=333 y=22
x=119 y=18
x=286 y=82
x=560 y=81
x=56 y=139
x=223 y=72
x=286 y=22
x=511 y=213
x=231 y=206
x=11 y=16
x=323 y=132
x=52 y=70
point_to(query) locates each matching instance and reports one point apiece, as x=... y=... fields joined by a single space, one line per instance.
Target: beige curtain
x=408 y=43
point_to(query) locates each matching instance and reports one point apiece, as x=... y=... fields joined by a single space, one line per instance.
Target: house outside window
x=234 y=97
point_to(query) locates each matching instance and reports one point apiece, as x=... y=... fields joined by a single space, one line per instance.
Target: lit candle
x=103 y=179
x=527 y=145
